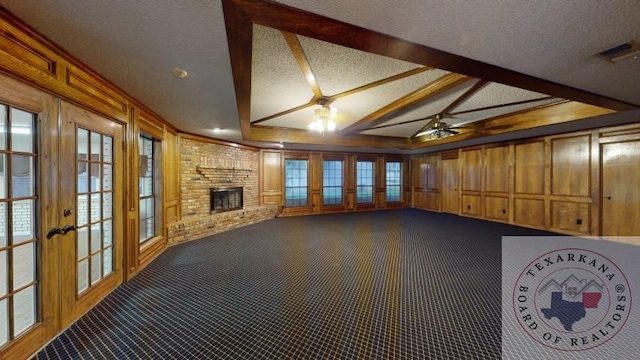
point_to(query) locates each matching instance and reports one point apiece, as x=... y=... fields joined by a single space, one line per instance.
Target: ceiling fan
x=437 y=129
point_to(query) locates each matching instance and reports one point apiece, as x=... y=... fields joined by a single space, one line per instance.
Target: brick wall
x=221 y=160
x=203 y=166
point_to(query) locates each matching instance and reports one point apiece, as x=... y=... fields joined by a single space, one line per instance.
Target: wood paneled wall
x=552 y=183
x=33 y=59
x=272 y=183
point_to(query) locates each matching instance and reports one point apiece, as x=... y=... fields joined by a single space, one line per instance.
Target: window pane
x=24 y=310
x=96 y=181
x=394 y=180
x=296 y=183
x=82 y=240
x=107 y=177
x=96 y=146
x=23 y=265
x=332 y=182
x=3 y=178
x=83 y=275
x=107 y=261
x=364 y=182
x=23 y=220
x=22 y=178
x=4 y=279
x=83 y=145
x=96 y=268
x=96 y=238
x=4 y=321
x=82 y=209
x=3 y=224
x=3 y=134
x=107 y=205
x=96 y=214
x=21 y=130
x=107 y=149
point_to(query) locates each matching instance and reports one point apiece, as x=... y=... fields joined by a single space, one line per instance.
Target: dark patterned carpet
x=401 y=284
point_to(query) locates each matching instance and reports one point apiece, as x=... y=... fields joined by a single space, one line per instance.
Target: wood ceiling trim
x=283 y=113
x=422 y=94
x=527 y=119
x=303 y=62
x=401 y=123
x=377 y=83
x=305 y=23
x=504 y=105
x=467 y=94
x=299 y=136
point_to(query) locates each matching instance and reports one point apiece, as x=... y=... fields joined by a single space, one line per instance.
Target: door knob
x=54 y=231
x=68 y=228
x=608 y=197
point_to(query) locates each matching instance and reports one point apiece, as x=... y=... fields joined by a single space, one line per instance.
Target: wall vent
x=622 y=51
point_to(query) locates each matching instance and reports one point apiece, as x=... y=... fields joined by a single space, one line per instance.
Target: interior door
x=621 y=189
x=28 y=262
x=450 y=186
x=91 y=209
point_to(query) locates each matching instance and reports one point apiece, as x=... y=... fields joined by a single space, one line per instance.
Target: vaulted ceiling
x=397 y=78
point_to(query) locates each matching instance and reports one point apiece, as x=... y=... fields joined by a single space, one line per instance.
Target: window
x=295 y=186
x=332 y=182
x=150 y=187
x=364 y=182
x=394 y=178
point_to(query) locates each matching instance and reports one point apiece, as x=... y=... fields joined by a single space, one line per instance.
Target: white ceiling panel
x=496 y=94
x=338 y=68
x=404 y=130
x=278 y=84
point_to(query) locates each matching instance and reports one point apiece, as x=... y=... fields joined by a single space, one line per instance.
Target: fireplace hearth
x=225 y=199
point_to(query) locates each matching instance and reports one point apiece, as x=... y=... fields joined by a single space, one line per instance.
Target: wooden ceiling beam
x=521 y=120
x=467 y=94
x=319 y=27
x=239 y=39
x=504 y=105
x=283 y=113
x=377 y=83
x=300 y=136
x=301 y=58
x=420 y=95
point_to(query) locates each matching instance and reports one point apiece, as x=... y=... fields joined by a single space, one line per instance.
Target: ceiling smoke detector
x=620 y=52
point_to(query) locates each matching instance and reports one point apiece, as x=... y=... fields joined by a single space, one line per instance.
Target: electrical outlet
x=579 y=222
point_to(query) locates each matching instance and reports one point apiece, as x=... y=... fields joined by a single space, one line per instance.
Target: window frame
x=342 y=162
x=308 y=197
x=399 y=178
x=373 y=181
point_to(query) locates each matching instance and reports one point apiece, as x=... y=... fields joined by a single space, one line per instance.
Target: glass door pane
x=94 y=208
x=19 y=284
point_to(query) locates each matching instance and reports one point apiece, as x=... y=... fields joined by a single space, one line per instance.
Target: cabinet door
x=450 y=186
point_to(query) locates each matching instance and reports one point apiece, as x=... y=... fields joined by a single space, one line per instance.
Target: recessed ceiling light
x=217 y=130
x=181 y=73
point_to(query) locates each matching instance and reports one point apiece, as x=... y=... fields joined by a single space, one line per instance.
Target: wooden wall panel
x=496 y=208
x=570 y=217
x=171 y=175
x=450 y=178
x=432 y=163
x=433 y=201
x=529 y=212
x=529 y=168
x=271 y=177
x=570 y=166
x=471 y=205
x=471 y=170
x=420 y=200
x=497 y=169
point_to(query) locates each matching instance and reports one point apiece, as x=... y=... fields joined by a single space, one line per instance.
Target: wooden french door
x=450 y=186
x=61 y=215
x=621 y=189
x=90 y=217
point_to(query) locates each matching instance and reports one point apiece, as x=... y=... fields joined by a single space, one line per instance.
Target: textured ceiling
x=135 y=44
